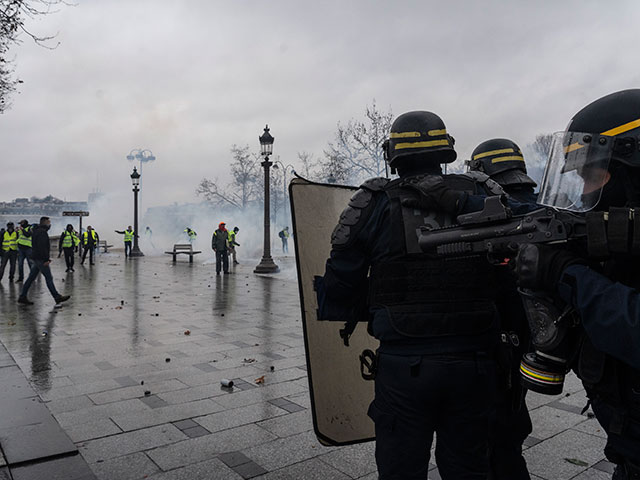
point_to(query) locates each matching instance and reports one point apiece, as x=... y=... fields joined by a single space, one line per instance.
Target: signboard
x=75 y=214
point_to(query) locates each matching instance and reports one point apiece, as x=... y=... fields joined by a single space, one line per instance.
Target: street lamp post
x=284 y=184
x=135 y=181
x=266 y=265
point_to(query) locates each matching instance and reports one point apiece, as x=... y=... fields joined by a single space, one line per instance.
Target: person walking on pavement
x=220 y=245
x=9 y=251
x=284 y=235
x=233 y=244
x=148 y=233
x=128 y=239
x=24 y=247
x=41 y=262
x=90 y=241
x=69 y=244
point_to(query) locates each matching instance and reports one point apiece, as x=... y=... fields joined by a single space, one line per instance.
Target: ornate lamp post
x=266 y=265
x=135 y=181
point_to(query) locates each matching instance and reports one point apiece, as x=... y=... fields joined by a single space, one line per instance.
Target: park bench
x=185 y=248
x=103 y=244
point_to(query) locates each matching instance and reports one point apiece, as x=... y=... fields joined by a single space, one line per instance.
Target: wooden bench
x=103 y=244
x=185 y=248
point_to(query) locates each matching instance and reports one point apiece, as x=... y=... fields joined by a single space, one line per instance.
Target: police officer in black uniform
x=436 y=319
x=502 y=161
x=601 y=147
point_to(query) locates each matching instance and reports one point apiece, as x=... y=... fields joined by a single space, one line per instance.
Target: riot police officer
x=436 y=319
x=595 y=164
x=502 y=161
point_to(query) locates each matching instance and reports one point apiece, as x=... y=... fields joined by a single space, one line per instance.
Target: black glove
x=539 y=267
x=434 y=195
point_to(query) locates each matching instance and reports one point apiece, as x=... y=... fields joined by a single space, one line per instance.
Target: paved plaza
x=124 y=382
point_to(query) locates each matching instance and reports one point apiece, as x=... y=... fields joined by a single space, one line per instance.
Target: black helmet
x=601 y=141
x=417 y=133
x=617 y=115
x=502 y=160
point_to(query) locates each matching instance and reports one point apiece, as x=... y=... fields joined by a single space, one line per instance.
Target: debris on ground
x=141 y=382
x=45 y=333
x=187 y=332
x=226 y=383
x=248 y=360
x=11 y=324
x=591 y=414
x=147 y=393
x=260 y=380
x=121 y=302
x=118 y=307
x=272 y=368
x=167 y=360
x=575 y=461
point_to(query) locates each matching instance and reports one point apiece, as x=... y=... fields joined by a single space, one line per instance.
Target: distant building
x=33 y=208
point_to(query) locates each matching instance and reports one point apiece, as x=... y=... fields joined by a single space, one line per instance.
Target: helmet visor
x=576 y=172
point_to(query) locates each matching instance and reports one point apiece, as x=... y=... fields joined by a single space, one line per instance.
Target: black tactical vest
x=424 y=295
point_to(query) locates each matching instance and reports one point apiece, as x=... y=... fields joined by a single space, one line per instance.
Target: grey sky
x=188 y=79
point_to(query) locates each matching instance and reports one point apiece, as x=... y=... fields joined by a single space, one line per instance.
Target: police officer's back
x=436 y=319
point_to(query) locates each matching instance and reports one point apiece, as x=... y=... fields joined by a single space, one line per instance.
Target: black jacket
x=41 y=246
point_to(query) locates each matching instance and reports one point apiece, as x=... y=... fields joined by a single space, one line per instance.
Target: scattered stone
x=167 y=360
x=260 y=380
x=222 y=315
x=187 y=332
x=567 y=394
x=45 y=333
x=147 y=393
x=79 y=314
x=272 y=368
x=591 y=414
x=11 y=324
x=575 y=461
x=121 y=302
x=117 y=308
x=141 y=382
x=249 y=360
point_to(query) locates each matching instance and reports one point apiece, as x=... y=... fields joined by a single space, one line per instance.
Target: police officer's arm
x=610 y=311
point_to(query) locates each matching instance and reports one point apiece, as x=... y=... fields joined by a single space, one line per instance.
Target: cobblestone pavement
x=142 y=399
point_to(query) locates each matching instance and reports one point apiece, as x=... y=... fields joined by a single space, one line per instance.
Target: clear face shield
x=577 y=171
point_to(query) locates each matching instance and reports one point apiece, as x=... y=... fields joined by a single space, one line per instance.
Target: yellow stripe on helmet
x=437 y=133
x=404 y=134
x=573 y=147
x=622 y=128
x=492 y=152
x=431 y=143
x=519 y=158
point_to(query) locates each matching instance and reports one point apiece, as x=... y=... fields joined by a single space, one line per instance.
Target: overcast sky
x=187 y=79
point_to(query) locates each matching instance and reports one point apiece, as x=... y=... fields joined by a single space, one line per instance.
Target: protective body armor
x=424 y=297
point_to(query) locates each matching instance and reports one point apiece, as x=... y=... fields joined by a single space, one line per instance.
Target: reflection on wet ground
x=131 y=370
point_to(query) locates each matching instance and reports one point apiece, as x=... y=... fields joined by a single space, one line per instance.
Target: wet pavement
x=128 y=374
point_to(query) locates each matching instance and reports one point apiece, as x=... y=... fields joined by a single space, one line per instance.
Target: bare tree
x=542 y=144
x=357 y=146
x=13 y=14
x=245 y=185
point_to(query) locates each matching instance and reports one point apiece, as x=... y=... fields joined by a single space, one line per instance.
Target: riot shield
x=340 y=396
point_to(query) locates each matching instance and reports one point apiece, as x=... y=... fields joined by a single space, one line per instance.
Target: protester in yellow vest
x=90 y=241
x=128 y=239
x=233 y=244
x=69 y=244
x=24 y=247
x=9 y=250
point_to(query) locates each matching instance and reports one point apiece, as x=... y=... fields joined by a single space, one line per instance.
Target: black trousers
x=623 y=437
x=417 y=396
x=88 y=249
x=9 y=256
x=69 y=257
x=510 y=427
x=222 y=261
x=127 y=249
